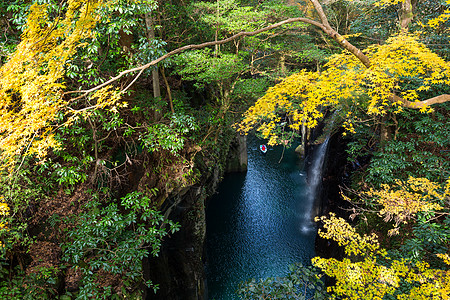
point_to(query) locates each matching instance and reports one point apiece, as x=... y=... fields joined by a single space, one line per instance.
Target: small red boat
x=263 y=148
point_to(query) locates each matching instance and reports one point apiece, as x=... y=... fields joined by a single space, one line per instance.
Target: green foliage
x=417 y=146
x=419 y=150
x=19 y=192
x=126 y=15
x=69 y=175
x=228 y=16
x=114 y=239
x=39 y=285
x=427 y=238
x=77 y=136
x=203 y=67
x=371 y=24
x=119 y=20
x=9 y=38
x=147 y=51
x=250 y=89
x=20 y=9
x=170 y=136
x=302 y=282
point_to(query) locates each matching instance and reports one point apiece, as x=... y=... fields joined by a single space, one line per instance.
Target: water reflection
x=258 y=223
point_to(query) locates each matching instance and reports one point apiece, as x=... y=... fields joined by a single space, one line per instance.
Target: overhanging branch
x=421 y=104
x=323 y=25
x=199 y=46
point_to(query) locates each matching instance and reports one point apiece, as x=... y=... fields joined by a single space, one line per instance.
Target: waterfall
x=314 y=183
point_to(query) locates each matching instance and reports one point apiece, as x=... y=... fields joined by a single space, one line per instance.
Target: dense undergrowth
x=86 y=169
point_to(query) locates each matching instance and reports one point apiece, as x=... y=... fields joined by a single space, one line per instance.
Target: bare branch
x=420 y=104
x=321 y=13
x=323 y=25
x=131 y=83
x=200 y=46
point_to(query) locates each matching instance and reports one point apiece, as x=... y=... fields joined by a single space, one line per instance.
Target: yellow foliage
x=442 y=18
x=348 y=124
x=363 y=279
x=372 y=274
x=4 y=211
x=278 y=99
x=382 y=3
x=430 y=283
x=404 y=201
x=359 y=280
x=445 y=257
x=31 y=82
x=403 y=57
x=303 y=96
x=344 y=234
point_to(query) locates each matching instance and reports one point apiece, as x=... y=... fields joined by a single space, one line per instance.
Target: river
x=259 y=222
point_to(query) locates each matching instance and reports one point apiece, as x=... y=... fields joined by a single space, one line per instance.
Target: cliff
x=179 y=267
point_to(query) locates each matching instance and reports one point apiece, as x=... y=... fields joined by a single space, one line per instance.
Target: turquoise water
x=259 y=222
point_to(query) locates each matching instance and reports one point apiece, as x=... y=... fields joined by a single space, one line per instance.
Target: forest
x=112 y=111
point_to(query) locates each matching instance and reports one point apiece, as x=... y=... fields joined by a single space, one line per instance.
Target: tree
x=302 y=282
x=60 y=86
x=372 y=272
x=414 y=263
x=303 y=95
x=11 y=145
x=66 y=46
x=31 y=92
x=374 y=73
x=27 y=122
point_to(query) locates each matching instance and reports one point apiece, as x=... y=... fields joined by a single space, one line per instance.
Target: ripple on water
x=257 y=223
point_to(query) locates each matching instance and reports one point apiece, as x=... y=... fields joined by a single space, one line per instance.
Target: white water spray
x=314 y=183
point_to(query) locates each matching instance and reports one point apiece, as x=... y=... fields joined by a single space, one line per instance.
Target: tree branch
x=421 y=104
x=199 y=46
x=406 y=19
x=321 y=13
x=337 y=37
x=323 y=25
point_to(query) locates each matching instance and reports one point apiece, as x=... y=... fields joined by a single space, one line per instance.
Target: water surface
x=259 y=222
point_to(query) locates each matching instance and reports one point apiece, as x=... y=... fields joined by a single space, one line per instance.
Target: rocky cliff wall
x=179 y=268
x=335 y=170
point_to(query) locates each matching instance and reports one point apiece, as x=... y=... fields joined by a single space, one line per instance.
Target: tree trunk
x=325 y=26
x=155 y=75
x=169 y=93
x=151 y=37
x=282 y=64
x=405 y=15
x=216 y=36
x=385 y=130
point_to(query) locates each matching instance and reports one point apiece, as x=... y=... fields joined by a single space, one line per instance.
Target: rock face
x=179 y=268
x=330 y=200
x=300 y=150
x=237 y=155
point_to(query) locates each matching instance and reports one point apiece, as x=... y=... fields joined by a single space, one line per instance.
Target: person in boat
x=263 y=148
